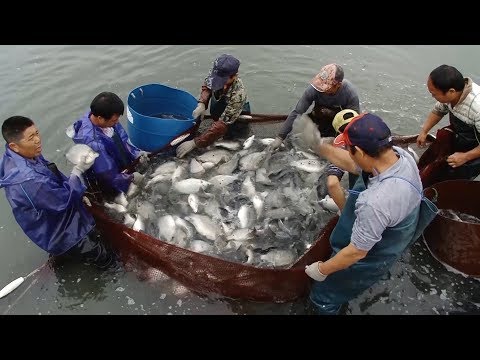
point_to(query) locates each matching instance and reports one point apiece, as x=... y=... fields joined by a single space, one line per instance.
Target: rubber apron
x=344 y=285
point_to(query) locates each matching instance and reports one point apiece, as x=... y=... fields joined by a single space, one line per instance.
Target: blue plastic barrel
x=157 y=114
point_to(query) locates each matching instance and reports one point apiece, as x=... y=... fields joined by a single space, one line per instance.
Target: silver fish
x=132 y=190
x=158 y=178
x=184 y=226
x=166 y=228
x=204 y=226
x=229 y=167
x=179 y=173
x=246 y=216
x=248 y=142
x=81 y=152
x=228 y=144
x=193 y=201
x=215 y=156
x=139 y=224
x=241 y=235
x=248 y=188
x=128 y=220
x=258 y=205
x=328 y=204
x=267 y=141
x=252 y=161
x=117 y=207
x=190 y=186
x=208 y=165
x=309 y=165
x=196 y=169
x=165 y=168
x=278 y=257
x=200 y=246
x=220 y=181
x=280 y=213
x=121 y=199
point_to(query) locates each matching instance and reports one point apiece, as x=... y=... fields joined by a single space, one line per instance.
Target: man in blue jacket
x=47 y=204
x=100 y=129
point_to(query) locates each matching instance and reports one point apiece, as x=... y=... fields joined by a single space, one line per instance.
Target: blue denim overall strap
x=344 y=285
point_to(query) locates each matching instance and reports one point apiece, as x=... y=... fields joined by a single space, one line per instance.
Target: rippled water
x=54 y=85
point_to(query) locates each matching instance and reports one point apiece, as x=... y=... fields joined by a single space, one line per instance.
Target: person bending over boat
x=330 y=93
x=100 y=129
x=47 y=204
x=376 y=224
x=460 y=98
x=225 y=92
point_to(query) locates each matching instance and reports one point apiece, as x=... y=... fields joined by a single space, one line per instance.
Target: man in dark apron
x=228 y=100
x=384 y=213
x=460 y=98
x=330 y=93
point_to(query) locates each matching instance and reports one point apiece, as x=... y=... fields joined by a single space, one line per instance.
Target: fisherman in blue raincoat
x=46 y=204
x=100 y=129
x=384 y=213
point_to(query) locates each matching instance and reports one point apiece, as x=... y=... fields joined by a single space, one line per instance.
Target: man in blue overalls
x=384 y=213
x=228 y=100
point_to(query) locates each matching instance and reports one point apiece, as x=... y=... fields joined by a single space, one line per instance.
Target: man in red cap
x=330 y=93
x=384 y=213
x=228 y=98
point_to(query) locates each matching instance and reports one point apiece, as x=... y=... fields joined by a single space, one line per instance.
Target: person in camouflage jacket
x=225 y=92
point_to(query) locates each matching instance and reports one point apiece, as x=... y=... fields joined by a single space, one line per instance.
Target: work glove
x=312 y=271
x=275 y=144
x=306 y=132
x=86 y=201
x=143 y=158
x=137 y=178
x=82 y=166
x=199 y=110
x=184 y=148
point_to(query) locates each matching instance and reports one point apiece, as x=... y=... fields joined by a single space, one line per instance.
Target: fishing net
x=205 y=274
x=211 y=275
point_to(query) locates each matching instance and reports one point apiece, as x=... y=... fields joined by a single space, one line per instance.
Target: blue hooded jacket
x=47 y=207
x=113 y=157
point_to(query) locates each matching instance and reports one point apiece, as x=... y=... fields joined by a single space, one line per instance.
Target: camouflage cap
x=329 y=76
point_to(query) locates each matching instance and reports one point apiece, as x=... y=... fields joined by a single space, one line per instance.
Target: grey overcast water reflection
x=54 y=84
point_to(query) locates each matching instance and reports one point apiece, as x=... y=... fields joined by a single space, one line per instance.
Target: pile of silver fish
x=234 y=200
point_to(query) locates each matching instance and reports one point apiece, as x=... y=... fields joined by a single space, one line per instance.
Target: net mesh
x=205 y=274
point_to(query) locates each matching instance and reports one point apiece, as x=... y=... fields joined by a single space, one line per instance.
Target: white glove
x=143 y=157
x=199 y=110
x=184 y=148
x=82 y=166
x=306 y=131
x=86 y=201
x=137 y=178
x=275 y=144
x=313 y=271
